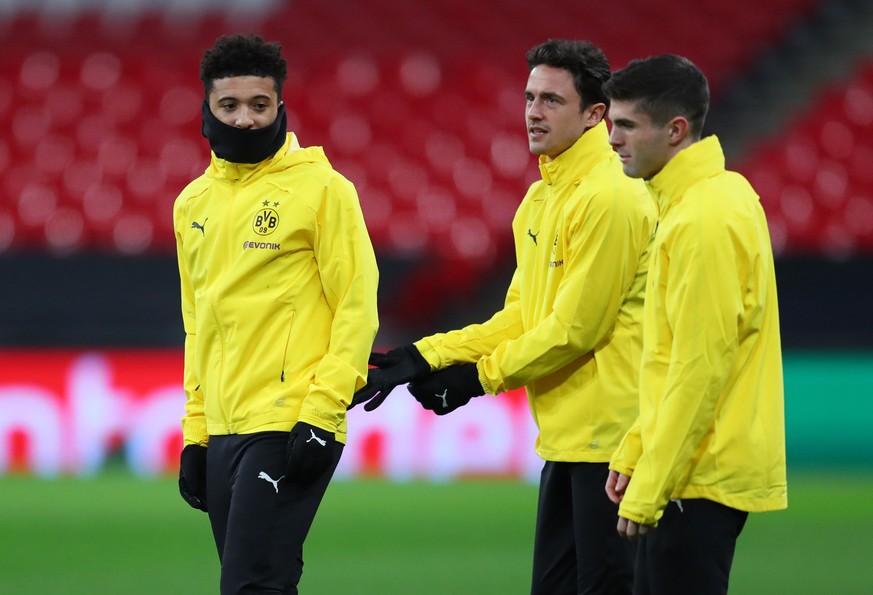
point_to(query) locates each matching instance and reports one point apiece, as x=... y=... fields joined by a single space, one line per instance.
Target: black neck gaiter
x=244 y=145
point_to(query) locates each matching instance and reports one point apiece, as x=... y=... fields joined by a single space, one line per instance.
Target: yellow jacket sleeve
x=624 y=459
x=193 y=421
x=702 y=304
x=599 y=267
x=472 y=342
x=349 y=277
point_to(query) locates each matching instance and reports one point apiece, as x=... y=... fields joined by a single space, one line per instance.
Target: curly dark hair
x=243 y=55
x=585 y=61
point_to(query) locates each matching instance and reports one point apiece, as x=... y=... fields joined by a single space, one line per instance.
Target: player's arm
x=600 y=261
x=468 y=344
x=192 y=461
x=444 y=352
x=193 y=421
x=349 y=276
x=702 y=304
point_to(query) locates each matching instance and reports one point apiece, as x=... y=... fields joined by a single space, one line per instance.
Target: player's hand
x=309 y=453
x=192 y=476
x=399 y=366
x=631 y=530
x=444 y=391
x=616 y=484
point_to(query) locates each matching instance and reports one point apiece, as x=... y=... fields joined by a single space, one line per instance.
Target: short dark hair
x=243 y=55
x=585 y=61
x=664 y=87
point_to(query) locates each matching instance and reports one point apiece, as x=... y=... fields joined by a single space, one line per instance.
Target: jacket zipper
x=228 y=225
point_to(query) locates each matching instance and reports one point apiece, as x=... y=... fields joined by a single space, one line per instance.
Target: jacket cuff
x=429 y=353
x=636 y=517
x=194 y=431
x=487 y=389
x=319 y=419
x=630 y=449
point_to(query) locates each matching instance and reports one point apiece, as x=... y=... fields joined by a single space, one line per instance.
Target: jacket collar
x=243 y=172
x=579 y=159
x=703 y=159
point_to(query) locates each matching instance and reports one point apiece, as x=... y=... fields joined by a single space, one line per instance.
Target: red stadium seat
x=822 y=171
x=421 y=105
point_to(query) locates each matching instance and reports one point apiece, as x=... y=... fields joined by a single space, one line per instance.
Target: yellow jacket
x=570 y=329
x=711 y=406
x=278 y=295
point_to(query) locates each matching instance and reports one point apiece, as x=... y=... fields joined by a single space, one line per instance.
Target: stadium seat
x=103 y=127
x=818 y=173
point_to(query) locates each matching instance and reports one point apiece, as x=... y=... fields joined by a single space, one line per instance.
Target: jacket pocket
x=287 y=347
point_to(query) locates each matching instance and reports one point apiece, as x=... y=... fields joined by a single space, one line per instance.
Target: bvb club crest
x=265 y=222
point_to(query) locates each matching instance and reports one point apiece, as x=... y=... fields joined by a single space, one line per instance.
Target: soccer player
x=709 y=446
x=569 y=330
x=279 y=307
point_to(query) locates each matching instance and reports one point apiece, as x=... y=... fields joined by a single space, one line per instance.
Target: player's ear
x=678 y=130
x=593 y=114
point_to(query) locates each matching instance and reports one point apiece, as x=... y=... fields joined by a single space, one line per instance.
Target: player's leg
x=219 y=478
x=691 y=551
x=554 y=563
x=605 y=561
x=269 y=519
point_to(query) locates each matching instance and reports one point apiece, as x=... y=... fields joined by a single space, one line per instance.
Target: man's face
x=554 y=118
x=643 y=147
x=244 y=101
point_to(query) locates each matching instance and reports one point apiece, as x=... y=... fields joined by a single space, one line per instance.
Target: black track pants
x=577 y=549
x=691 y=551
x=259 y=520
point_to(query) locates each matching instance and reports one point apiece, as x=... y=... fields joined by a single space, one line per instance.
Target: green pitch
x=122 y=536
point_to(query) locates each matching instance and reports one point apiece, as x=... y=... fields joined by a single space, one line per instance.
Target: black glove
x=192 y=476
x=310 y=453
x=444 y=391
x=398 y=366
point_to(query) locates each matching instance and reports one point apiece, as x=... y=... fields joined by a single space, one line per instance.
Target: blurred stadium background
x=420 y=104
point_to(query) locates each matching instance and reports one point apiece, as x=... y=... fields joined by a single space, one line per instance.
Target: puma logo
x=443 y=397
x=316 y=438
x=263 y=475
x=533 y=235
x=195 y=225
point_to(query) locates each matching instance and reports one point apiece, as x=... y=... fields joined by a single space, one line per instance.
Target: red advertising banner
x=69 y=412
